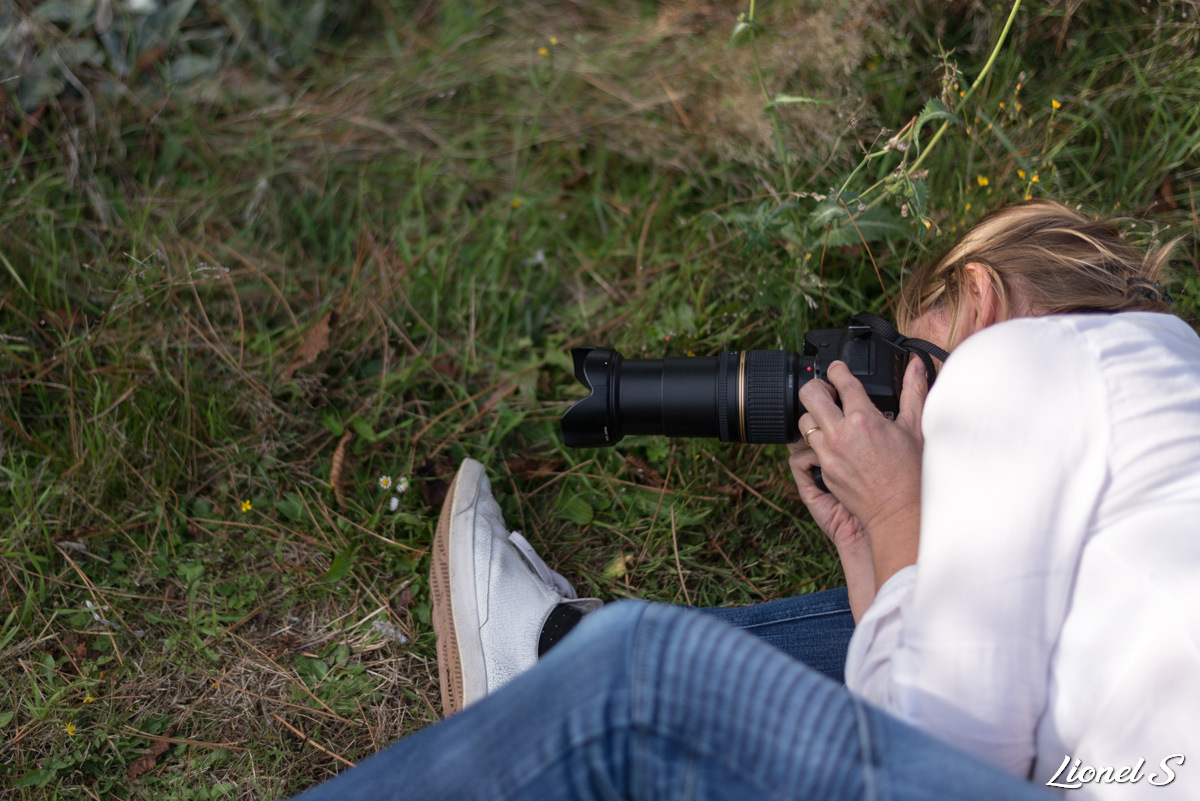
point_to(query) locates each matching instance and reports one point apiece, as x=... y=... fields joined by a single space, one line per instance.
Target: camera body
x=737 y=396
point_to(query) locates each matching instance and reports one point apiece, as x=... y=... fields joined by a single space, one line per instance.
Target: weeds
x=257 y=256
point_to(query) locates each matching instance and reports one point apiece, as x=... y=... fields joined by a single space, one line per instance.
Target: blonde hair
x=1042 y=258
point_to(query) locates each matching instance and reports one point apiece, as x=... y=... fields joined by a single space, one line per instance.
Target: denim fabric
x=813 y=628
x=654 y=702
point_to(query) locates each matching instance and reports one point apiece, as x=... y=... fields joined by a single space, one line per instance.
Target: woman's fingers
x=802 y=462
x=912 y=398
x=849 y=388
x=820 y=399
x=806 y=425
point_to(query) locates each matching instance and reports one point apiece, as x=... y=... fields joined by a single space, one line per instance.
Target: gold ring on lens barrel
x=741 y=393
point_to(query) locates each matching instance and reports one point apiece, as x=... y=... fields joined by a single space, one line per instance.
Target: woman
x=1054 y=609
x=1021 y=558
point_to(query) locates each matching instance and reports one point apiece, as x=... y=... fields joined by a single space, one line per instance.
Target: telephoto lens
x=738 y=396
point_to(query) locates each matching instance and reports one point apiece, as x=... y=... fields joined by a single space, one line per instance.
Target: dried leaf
x=143 y=765
x=447 y=365
x=1164 y=199
x=335 y=467
x=404 y=601
x=503 y=391
x=618 y=568
x=435 y=490
x=315 y=343
x=528 y=467
x=149 y=58
x=644 y=472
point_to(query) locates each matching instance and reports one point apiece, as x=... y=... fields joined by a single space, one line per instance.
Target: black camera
x=738 y=396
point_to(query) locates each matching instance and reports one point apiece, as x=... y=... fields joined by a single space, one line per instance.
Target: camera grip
x=816 y=474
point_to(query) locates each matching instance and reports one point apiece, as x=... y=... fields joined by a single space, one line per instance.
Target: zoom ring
x=724 y=369
x=766 y=396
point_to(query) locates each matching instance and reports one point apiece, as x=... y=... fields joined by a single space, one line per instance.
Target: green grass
x=459 y=210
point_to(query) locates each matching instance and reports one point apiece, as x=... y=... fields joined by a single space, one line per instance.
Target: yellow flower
x=981 y=180
x=1034 y=179
x=962 y=94
x=516 y=204
x=928 y=225
x=1001 y=104
x=1055 y=104
x=89 y=700
x=246 y=506
x=71 y=730
x=543 y=51
x=553 y=40
x=968 y=208
x=1021 y=174
x=1029 y=197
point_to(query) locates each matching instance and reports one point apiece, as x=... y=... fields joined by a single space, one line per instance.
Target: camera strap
x=925 y=351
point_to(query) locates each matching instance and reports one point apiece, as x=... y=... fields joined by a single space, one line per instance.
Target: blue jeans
x=814 y=629
x=648 y=701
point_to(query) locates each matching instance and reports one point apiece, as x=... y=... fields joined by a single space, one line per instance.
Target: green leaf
x=165 y=21
x=36 y=778
x=341 y=565
x=190 y=66
x=742 y=28
x=364 y=430
x=5 y=718
x=332 y=424
x=864 y=230
x=874 y=225
x=934 y=110
x=311 y=669
x=72 y=12
x=576 y=508
x=341 y=654
x=292 y=506
x=918 y=197
x=827 y=212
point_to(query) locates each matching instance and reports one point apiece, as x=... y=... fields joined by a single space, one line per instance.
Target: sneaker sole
x=461 y=669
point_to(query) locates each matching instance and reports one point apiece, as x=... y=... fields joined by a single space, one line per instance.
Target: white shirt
x=1054 y=610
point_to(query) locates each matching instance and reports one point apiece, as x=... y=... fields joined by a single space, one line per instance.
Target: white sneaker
x=492 y=594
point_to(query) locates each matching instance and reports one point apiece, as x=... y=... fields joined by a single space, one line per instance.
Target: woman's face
x=932 y=326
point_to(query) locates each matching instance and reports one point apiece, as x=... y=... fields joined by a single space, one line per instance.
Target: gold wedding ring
x=804 y=436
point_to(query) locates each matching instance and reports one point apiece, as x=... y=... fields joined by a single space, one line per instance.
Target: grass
x=284 y=254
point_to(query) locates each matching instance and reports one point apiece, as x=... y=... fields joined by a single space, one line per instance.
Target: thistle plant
x=850 y=215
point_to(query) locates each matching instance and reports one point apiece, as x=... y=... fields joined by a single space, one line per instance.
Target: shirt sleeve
x=1015 y=459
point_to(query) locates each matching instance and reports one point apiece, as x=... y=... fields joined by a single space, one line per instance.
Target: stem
x=780 y=151
x=987 y=67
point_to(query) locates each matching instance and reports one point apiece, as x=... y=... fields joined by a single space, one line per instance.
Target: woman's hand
x=831 y=516
x=843 y=529
x=871 y=465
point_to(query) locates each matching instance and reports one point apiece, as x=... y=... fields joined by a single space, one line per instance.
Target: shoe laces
x=553 y=581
